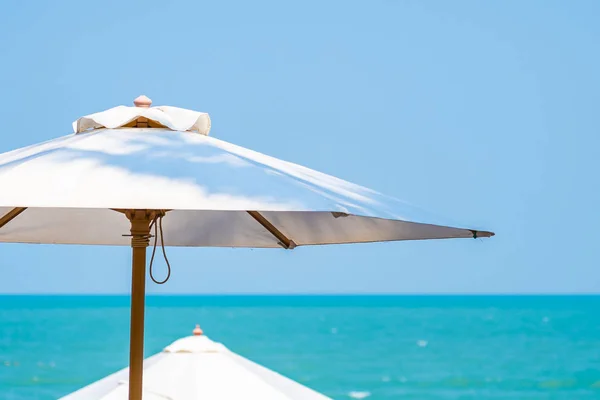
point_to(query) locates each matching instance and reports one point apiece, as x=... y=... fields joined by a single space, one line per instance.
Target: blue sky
x=483 y=112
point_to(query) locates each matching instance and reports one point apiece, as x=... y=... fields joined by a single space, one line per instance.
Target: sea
x=347 y=347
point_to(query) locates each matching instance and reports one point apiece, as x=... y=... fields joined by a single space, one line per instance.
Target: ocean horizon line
x=309 y=294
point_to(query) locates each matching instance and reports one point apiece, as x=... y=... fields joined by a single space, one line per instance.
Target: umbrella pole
x=140 y=237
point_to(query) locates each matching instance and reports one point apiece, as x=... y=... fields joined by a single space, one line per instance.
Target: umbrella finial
x=197 y=331
x=142 y=101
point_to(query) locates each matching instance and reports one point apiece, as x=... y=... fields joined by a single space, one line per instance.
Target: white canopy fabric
x=65 y=190
x=196 y=368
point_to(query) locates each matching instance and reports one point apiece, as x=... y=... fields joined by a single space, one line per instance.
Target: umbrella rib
x=12 y=214
x=284 y=241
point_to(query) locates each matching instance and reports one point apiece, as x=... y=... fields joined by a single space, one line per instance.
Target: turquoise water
x=374 y=347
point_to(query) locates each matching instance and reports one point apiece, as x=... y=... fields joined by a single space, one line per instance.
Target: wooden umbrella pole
x=140 y=239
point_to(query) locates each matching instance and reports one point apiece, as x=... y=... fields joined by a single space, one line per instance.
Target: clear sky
x=483 y=112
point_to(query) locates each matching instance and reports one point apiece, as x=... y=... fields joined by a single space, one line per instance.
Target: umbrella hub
x=140 y=226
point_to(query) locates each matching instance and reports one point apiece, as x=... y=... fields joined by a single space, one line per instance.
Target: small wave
x=359 y=395
x=421 y=343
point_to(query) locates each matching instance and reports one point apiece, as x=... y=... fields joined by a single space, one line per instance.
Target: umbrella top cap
x=195 y=344
x=197 y=331
x=142 y=101
x=143 y=115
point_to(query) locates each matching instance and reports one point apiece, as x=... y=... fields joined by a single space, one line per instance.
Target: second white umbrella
x=196 y=368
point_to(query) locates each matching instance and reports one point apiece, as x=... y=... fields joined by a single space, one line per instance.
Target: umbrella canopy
x=195 y=368
x=207 y=184
x=126 y=168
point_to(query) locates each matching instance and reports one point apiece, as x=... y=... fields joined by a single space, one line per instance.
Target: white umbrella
x=196 y=368
x=125 y=168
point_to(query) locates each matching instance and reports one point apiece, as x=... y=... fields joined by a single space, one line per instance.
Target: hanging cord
x=158 y=227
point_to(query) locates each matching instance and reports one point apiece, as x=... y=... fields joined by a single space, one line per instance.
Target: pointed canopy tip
x=197 y=331
x=482 y=234
x=142 y=101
